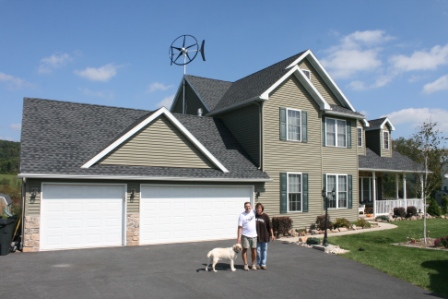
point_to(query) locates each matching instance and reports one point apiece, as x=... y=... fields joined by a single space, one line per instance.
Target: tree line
x=9 y=157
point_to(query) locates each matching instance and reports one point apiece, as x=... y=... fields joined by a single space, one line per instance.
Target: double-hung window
x=336 y=132
x=359 y=137
x=293 y=125
x=386 y=140
x=341 y=184
x=293 y=192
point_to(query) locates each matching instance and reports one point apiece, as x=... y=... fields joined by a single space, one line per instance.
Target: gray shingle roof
x=398 y=162
x=346 y=111
x=209 y=90
x=252 y=86
x=59 y=137
x=376 y=123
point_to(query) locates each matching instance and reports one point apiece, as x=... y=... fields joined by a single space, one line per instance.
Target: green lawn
x=423 y=267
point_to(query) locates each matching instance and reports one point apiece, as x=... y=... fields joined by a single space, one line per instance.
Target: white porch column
x=397 y=186
x=374 y=193
x=405 y=195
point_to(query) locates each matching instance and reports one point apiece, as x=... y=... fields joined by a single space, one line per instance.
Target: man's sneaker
x=246 y=267
x=254 y=267
x=264 y=267
x=258 y=267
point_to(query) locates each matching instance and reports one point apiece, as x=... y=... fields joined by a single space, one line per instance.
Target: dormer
x=379 y=136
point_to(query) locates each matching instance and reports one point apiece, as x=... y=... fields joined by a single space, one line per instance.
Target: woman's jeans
x=262 y=253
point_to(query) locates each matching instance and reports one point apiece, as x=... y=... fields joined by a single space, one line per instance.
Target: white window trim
x=287 y=125
x=361 y=189
x=362 y=137
x=287 y=192
x=336 y=132
x=388 y=140
x=337 y=175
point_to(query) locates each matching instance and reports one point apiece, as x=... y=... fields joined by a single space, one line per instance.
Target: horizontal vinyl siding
x=288 y=156
x=32 y=209
x=192 y=102
x=386 y=152
x=319 y=84
x=159 y=144
x=244 y=125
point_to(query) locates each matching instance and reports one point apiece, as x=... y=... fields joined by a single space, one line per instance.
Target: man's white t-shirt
x=248 y=223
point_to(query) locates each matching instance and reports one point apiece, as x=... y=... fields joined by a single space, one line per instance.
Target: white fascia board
x=366 y=123
x=295 y=70
x=144 y=123
x=334 y=113
x=392 y=128
x=390 y=170
x=329 y=81
x=299 y=59
x=135 y=178
x=200 y=98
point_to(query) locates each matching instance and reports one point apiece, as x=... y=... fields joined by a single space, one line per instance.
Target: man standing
x=247 y=235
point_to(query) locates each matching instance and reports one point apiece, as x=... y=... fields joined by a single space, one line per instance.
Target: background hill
x=9 y=157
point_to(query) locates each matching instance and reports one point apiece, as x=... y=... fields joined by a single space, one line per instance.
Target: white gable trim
x=148 y=120
x=306 y=83
x=392 y=128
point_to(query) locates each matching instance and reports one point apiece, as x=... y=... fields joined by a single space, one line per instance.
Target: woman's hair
x=259 y=205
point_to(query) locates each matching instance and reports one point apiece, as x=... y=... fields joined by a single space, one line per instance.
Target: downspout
x=22 y=230
x=260 y=136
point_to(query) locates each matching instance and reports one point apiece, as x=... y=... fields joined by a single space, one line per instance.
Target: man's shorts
x=247 y=242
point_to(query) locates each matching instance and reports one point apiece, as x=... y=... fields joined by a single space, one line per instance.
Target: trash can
x=6 y=231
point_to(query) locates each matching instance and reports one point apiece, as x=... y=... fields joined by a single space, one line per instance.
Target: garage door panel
x=170 y=214
x=81 y=216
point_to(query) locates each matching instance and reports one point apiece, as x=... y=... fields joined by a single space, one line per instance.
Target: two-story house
x=97 y=176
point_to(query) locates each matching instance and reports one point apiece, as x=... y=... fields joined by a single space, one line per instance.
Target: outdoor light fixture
x=325 y=197
x=33 y=195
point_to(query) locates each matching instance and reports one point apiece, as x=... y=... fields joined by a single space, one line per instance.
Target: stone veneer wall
x=133 y=230
x=31 y=238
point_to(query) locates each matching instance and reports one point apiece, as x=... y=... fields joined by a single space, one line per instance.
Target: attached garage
x=81 y=216
x=180 y=213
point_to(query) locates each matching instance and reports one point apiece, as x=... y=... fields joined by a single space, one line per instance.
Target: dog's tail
x=209 y=254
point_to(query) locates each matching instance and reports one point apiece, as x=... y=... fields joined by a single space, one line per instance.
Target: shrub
x=382 y=218
x=362 y=223
x=411 y=211
x=313 y=241
x=342 y=222
x=439 y=242
x=444 y=200
x=399 y=212
x=433 y=208
x=320 y=222
x=281 y=225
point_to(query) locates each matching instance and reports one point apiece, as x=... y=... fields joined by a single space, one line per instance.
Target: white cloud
x=156 y=86
x=49 y=64
x=416 y=116
x=439 y=84
x=166 y=102
x=13 y=82
x=379 y=82
x=104 y=94
x=421 y=60
x=356 y=52
x=103 y=73
x=16 y=127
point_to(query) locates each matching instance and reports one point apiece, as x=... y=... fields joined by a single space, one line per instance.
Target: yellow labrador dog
x=230 y=253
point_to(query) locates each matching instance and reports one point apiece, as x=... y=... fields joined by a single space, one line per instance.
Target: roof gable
x=380 y=123
x=150 y=119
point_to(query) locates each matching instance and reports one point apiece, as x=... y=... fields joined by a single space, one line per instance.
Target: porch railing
x=385 y=207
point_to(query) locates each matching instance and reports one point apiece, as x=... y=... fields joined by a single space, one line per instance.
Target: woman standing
x=265 y=234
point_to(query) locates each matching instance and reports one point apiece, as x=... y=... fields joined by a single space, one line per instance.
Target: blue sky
x=390 y=58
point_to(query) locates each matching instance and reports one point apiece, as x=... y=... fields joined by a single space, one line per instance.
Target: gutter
x=391 y=170
x=135 y=178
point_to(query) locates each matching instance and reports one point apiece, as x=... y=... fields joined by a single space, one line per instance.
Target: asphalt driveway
x=177 y=271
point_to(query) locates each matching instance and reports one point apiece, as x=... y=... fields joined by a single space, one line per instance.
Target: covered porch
x=383 y=184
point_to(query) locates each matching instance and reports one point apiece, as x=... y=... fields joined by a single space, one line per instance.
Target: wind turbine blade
x=202 y=50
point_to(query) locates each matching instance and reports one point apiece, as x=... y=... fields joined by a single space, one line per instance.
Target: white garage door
x=171 y=214
x=81 y=216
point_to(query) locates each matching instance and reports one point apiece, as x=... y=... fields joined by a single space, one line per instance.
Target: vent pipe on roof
x=200 y=112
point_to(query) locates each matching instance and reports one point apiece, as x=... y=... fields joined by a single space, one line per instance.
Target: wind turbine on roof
x=187 y=47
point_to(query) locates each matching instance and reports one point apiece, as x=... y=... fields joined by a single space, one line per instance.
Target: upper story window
x=360 y=136
x=293 y=125
x=307 y=73
x=386 y=140
x=336 y=132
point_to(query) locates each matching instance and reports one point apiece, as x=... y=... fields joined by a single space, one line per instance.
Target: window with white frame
x=386 y=140
x=294 y=192
x=365 y=189
x=339 y=183
x=294 y=124
x=359 y=136
x=336 y=132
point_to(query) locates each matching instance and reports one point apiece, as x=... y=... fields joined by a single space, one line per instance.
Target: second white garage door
x=175 y=213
